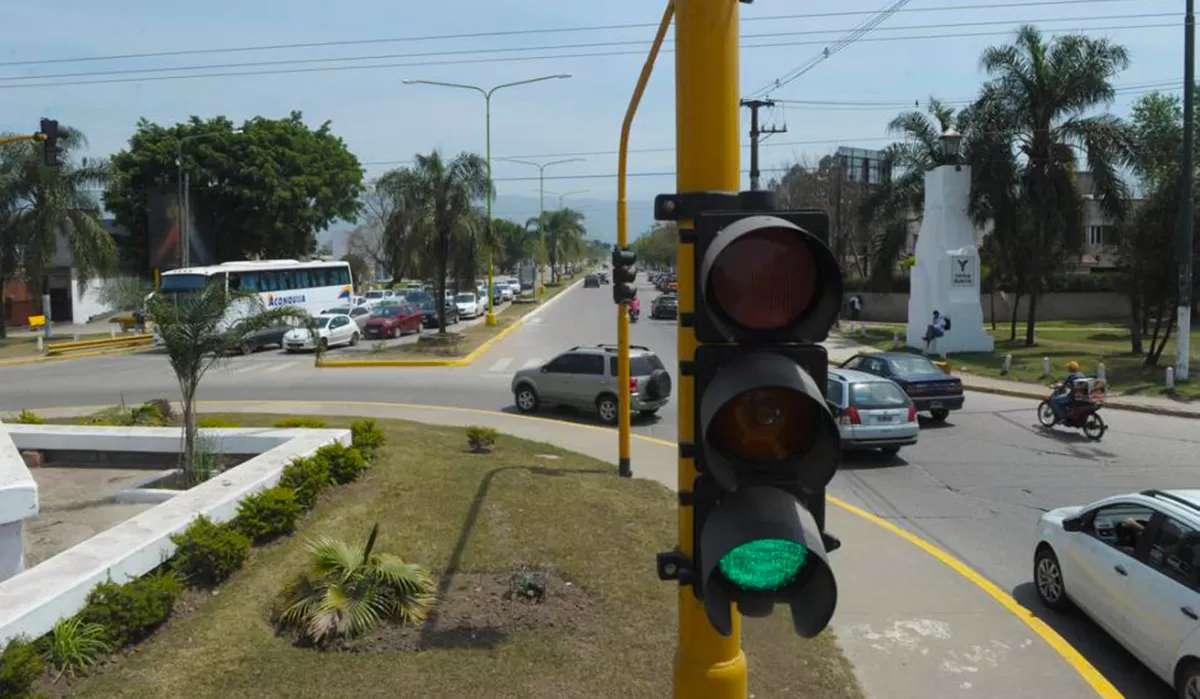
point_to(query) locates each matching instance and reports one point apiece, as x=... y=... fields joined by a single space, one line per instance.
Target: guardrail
x=120 y=342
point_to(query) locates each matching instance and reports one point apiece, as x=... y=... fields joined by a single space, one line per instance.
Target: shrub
x=366 y=437
x=28 y=417
x=268 y=513
x=131 y=612
x=481 y=439
x=216 y=423
x=305 y=477
x=345 y=464
x=76 y=646
x=207 y=553
x=161 y=407
x=20 y=667
x=302 y=422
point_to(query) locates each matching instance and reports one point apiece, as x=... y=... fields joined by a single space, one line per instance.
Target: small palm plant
x=349 y=589
x=76 y=646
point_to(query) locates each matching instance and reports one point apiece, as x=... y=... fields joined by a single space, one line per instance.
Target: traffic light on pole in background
x=767 y=288
x=49 y=134
x=624 y=275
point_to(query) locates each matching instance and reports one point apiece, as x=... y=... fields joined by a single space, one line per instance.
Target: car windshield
x=374 y=294
x=644 y=365
x=877 y=395
x=386 y=312
x=322 y=321
x=465 y=298
x=902 y=366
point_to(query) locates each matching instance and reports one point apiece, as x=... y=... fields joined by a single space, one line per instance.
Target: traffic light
x=50 y=134
x=623 y=274
x=767 y=287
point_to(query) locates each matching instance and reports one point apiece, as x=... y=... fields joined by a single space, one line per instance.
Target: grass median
x=19 y=347
x=464 y=342
x=605 y=628
x=1062 y=341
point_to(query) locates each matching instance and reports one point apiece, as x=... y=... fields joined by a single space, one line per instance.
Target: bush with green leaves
x=76 y=646
x=311 y=423
x=207 y=553
x=216 y=423
x=27 y=417
x=481 y=439
x=305 y=477
x=21 y=665
x=345 y=463
x=130 y=612
x=367 y=437
x=268 y=514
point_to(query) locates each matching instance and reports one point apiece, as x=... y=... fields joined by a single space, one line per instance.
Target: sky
x=926 y=48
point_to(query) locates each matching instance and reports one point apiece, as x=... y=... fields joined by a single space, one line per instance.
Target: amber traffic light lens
x=764 y=425
x=764 y=280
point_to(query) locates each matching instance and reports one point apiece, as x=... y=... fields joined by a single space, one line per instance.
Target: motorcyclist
x=1061 y=399
x=635 y=304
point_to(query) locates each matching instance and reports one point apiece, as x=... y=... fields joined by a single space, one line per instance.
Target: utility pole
x=1183 y=337
x=755 y=133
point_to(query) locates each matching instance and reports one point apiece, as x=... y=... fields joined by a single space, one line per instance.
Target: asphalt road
x=974 y=486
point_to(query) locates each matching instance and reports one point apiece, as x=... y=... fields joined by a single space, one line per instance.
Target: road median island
x=540 y=589
x=19 y=347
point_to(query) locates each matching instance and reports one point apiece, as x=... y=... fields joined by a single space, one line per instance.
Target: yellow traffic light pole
x=707 y=665
x=23 y=137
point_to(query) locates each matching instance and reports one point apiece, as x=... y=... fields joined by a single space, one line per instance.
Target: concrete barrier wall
x=32 y=601
x=18 y=502
x=1098 y=306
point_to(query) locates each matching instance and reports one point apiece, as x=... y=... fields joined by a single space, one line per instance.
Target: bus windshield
x=182 y=282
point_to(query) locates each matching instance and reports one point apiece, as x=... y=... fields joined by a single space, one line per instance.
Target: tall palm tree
x=564 y=234
x=40 y=203
x=1047 y=88
x=441 y=197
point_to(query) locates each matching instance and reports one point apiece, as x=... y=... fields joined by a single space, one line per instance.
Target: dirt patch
x=481 y=610
x=75 y=504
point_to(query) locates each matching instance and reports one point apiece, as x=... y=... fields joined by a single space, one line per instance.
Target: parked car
x=332 y=331
x=359 y=314
x=378 y=296
x=1131 y=563
x=429 y=314
x=393 y=320
x=514 y=285
x=931 y=389
x=872 y=412
x=255 y=340
x=665 y=307
x=586 y=377
x=469 y=305
x=591 y=280
x=505 y=290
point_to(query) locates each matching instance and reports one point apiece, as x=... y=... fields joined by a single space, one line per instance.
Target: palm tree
x=349 y=589
x=38 y=204
x=198 y=330
x=440 y=198
x=564 y=234
x=1046 y=88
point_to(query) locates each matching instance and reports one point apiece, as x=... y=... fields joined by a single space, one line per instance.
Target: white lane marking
x=500 y=365
x=243 y=369
x=535 y=321
x=280 y=367
x=531 y=363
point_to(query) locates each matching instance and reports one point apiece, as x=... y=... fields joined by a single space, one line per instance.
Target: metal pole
x=707 y=157
x=754 y=146
x=487 y=100
x=1183 y=342
x=179 y=197
x=187 y=219
x=541 y=216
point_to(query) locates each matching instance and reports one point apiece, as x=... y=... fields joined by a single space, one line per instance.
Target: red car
x=393 y=320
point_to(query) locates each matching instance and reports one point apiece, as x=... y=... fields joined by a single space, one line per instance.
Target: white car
x=378 y=296
x=468 y=305
x=506 y=292
x=359 y=314
x=515 y=286
x=332 y=331
x=1132 y=564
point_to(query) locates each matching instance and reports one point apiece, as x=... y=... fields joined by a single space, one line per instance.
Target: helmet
x=1072 y=366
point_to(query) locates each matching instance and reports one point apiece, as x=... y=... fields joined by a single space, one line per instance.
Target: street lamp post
x=1183 y=345
x=564 y=195
x=487 y=100
x=542 y=192
x=182 y=203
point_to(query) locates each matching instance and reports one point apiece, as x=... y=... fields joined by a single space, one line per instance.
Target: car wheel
x=940 y=414
x=1048 y=579
x=1187 y=681
x=354 y=340
x=247 y=348
x=526 y=399
x=890 y=451
x=608 y=408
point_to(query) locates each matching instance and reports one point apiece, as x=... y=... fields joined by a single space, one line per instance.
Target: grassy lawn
x=1088 y=343
x=472 y=337
x=23 y=345
x=610 y=633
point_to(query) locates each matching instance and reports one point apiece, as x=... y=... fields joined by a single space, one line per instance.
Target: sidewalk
x=914 y=625
x=841 y=348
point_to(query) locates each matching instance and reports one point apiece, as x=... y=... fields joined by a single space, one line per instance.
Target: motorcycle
x=633 y=315
x=1082 y=412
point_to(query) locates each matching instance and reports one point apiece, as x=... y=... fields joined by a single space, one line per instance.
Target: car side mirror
x=1072 y=524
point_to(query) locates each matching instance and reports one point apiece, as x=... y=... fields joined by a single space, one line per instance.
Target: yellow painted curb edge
x=110 y=352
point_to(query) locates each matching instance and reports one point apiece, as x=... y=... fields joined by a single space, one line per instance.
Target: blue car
x=932 y=390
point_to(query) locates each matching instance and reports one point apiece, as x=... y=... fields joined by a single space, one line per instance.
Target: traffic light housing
x=50 y=134
x=623 y=260
x=766 y=288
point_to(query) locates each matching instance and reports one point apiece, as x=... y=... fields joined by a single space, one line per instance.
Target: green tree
x=265 y=189
x=656 y=247
x=1046 y=88
x=360 y=270
x=564 y=233
x=38 y=204
x=516 y=243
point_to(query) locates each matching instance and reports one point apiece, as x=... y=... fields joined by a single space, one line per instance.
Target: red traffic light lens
x=764 y=280
x=764 y=425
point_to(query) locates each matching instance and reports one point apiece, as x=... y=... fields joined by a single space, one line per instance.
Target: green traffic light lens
x=764 y=565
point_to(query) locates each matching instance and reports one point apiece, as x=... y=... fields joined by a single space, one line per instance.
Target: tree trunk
x=993 y=300
x=440 y=283
x=1031 y=319
x=1012 y=330
x=3 y=310
x=1135 y=325
x=1156 y=349
x=187 y=458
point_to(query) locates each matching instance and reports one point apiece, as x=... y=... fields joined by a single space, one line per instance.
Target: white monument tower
x=945 y=277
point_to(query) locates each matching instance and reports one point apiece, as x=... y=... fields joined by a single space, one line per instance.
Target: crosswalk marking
x=500 y=364
x=531 y=363
x=281 y=367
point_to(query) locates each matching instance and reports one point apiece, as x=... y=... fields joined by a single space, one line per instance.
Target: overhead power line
x=531 y=31
x=514 y=59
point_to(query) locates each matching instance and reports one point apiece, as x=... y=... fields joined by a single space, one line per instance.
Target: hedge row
x=116 y=616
